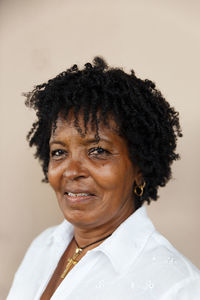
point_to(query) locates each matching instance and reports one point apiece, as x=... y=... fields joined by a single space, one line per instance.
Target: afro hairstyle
x=144 y=118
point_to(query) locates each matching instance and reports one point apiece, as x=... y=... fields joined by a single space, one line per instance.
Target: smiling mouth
x=78 y=197
x=78 y=194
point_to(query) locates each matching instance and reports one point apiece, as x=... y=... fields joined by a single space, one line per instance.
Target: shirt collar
x=128 y=240
x=123 y=246
x=62 y=234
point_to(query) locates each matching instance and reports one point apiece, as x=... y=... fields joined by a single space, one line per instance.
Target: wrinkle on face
x=109 y=176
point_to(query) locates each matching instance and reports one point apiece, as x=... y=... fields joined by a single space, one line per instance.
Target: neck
x=91 y=233
x=93 y=243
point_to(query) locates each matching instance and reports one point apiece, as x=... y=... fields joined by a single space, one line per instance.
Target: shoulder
x=44 y=237
x=33 y=264
x=188 y=288
x=165 y=270
x=37 y=248
x=41 y=240
x=163 y=254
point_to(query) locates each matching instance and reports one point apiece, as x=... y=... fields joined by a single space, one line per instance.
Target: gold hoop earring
x=141 y=188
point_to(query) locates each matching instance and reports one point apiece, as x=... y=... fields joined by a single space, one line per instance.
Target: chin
x=79 y=218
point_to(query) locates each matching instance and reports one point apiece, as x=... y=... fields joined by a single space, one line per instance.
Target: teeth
x=76 y=195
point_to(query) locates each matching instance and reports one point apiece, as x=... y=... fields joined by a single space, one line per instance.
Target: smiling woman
x=92 y=178
x=106 y=141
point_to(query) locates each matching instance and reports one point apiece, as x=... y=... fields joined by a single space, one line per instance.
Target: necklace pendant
x=78 y=251
x=71 y=262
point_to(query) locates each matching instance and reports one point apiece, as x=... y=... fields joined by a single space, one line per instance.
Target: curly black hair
x=144 y=118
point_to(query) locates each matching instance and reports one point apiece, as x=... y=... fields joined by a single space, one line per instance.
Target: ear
x=139 y=178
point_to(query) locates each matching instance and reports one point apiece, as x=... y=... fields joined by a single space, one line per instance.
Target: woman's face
x=93 y=180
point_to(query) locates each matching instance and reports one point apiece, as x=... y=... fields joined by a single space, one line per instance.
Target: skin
x=77 y=164
x=101 y=168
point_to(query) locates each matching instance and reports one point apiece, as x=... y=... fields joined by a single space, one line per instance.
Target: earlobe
x=139 y=189
x=139 y=183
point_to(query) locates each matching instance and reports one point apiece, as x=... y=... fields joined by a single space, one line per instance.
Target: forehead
x=66 y=132
x=78 y=126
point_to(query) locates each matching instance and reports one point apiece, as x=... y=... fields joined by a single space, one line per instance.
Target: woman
x=106 y=141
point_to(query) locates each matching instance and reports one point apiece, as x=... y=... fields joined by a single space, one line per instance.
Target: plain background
x=160 y=40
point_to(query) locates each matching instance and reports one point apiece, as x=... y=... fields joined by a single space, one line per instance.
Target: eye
x=98 y=152
x=58 y=154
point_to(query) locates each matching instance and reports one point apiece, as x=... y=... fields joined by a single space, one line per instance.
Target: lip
x=79 y=191
x=79 y=199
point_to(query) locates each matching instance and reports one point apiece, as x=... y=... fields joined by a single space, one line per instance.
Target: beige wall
x=159 y=39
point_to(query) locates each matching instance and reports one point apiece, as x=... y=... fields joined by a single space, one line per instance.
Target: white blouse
x=136 y=263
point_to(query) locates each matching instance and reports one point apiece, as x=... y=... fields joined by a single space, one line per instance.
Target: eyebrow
x=87 y=142
x=93 y=141
x=57 y=142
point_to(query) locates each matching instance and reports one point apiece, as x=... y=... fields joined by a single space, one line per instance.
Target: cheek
x=105 y=177
x=54 y=176
x=115 y=177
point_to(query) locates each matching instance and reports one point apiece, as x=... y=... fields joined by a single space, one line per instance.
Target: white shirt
x=136 y=263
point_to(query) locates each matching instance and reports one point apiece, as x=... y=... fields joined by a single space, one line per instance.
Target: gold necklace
x=72 y=261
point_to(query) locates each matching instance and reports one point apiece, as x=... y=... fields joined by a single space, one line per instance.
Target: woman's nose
x=75 y=169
